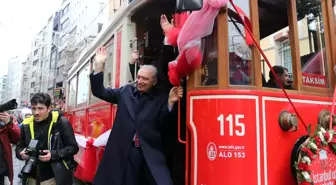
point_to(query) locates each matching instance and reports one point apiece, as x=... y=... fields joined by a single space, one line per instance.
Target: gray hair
x=152 y=69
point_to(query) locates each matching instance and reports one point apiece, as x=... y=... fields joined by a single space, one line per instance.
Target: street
x=17 y=168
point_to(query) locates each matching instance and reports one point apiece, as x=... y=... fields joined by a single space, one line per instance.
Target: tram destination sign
x=314 y=80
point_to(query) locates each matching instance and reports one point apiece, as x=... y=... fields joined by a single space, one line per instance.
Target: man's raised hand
x=100 y=59
x=165 y=24
x=135 y=56
x=174 y=95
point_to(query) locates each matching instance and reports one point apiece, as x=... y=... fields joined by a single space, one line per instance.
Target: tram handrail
x=332 y=110
x=268 y=63
x=179 y=123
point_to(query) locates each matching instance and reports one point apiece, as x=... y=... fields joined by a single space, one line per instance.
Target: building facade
x=13 y=90
x=36 y=68
x=3 y=86
x=78 y=24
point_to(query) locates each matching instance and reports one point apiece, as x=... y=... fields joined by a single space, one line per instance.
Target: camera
x=10 y=105
x=33 y=152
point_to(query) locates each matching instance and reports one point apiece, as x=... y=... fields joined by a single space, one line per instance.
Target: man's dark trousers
x=2 y=180
x=137 y=171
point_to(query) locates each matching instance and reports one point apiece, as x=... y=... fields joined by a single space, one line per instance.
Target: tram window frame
x=252 y=83
x=295 y=49
x=198 y=78
x=223 y=53
x=223 y=80
x=194 y=80
x=256 y=75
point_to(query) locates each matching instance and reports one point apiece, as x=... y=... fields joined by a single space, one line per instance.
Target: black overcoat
x=146 y=117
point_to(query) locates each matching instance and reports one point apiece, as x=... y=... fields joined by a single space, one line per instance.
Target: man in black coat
x=134 y=154
x=55 y=137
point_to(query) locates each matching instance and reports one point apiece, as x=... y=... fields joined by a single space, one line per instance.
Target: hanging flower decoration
x=321 y=140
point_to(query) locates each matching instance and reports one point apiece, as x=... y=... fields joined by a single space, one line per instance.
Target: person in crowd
x=282 y=74
x=134 y=153
x=56 y=144
x=9 y=133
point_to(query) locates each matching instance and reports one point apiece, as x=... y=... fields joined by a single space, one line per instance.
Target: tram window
x=109 y=63
x=209 y=71
x=240 y=55
x=72 y=92
x=83 y=85
x=93 y=99
x=275 y=42
x=312 y=44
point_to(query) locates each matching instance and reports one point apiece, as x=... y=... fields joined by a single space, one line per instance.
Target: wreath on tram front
x=321 y=140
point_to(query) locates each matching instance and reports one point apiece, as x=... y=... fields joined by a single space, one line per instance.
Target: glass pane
x=93 y=99
x=312 y=43
x=240 y=55
x=109 y=63
x=72 y=92
x=83 y=85
x=209 y=71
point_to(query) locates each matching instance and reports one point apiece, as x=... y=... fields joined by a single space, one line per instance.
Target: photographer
x=47 y=144
x=9 y=133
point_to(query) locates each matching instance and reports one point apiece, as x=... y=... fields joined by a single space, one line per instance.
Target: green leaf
x=309 y=129
x=315 y=131
x=296 y=165
x=334 y=148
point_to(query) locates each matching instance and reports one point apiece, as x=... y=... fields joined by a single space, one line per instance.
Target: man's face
x=284 y=78
x=145 y=80
x=40 y=112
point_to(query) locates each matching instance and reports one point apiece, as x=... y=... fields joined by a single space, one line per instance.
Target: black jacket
x=63 y=148
x=146 y=117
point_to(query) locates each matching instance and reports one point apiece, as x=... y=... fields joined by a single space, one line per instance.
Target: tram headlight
x=287 y=121
x=324 y=119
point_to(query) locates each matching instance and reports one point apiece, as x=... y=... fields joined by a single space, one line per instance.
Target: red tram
x=238 y=132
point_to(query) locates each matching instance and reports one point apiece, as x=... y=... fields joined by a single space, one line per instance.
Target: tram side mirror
x=188 y=5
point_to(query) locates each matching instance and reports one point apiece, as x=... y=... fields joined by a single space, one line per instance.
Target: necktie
x=136 y=140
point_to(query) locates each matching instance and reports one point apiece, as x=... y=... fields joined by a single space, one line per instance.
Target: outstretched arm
x=99 y=91
x=175 y=94
x=132 y=64
x=97 y=79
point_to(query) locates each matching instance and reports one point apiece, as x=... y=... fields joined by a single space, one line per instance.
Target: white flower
x=322 y=130
x=331 y=137
x=320 y=135
x=306 y=159
x=313 y=145
x=305 y=175
x=331 y=132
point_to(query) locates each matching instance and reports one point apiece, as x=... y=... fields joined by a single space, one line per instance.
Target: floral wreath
x=321 y=139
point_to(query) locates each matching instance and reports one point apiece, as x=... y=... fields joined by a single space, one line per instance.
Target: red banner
x=314 y=80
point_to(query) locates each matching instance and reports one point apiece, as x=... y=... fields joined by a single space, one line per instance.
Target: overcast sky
x=20 y=20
